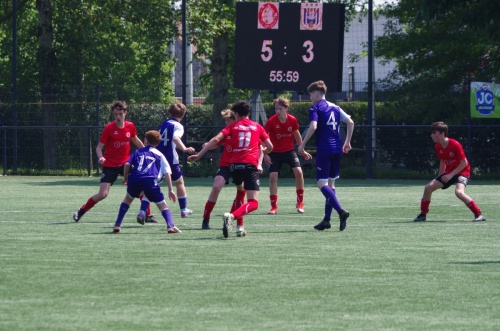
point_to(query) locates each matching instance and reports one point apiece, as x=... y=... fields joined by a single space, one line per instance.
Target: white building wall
x=356 y=41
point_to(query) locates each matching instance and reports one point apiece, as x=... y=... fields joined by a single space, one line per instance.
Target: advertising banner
x=484 y=100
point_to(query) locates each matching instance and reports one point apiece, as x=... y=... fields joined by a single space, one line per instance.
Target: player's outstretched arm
x=180 y=146
x=208 y=146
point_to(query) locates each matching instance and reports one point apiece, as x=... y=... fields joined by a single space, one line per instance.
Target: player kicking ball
x=243 y=140
x=454 y=168
x=143 y=173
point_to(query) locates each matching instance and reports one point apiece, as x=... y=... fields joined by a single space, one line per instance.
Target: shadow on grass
x=410 y=221
x=58 y=182
x=476 y=262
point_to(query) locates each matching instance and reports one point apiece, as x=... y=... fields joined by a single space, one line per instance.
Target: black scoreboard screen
x=287 y=46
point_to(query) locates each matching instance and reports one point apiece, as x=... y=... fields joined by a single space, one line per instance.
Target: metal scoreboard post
x=287 y=46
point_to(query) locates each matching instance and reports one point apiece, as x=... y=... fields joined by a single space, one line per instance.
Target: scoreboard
x=287 y=46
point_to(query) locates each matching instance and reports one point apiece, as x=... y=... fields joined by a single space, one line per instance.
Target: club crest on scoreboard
x=311 y=16
x=268 y=15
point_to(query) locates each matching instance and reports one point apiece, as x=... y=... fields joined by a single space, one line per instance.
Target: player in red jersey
x=243 y=140
x=116 y=136
x=283 y=129
x=453 y=169
x=221 y=177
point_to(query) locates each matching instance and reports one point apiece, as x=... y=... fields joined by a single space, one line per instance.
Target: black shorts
x=278 y=159
x=224 y=172
x=454 y=180
x=247 y=173
x=109 y=174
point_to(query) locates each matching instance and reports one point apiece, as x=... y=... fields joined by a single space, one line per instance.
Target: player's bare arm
x=180 y=146
x=461 y=166
x=350 y=128
x=137 y=142
x=310 y=131
x=268 y=146
x=98 y=151
x=126 y=171
x=208 y=146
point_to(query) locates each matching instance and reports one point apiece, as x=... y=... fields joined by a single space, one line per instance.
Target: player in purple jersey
x=143 y=172
x=325 y=120
x=171 y=131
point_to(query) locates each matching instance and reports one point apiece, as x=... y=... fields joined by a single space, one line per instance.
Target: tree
x=120 y=45
x=47 y=80
x=439 y=47
x=211 y=25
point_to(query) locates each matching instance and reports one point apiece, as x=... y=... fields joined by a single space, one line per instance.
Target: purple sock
x=144 y=205
x=182 y=202
x=331 y=198
x=167 y=215
x=121 y=213
x=328 y=210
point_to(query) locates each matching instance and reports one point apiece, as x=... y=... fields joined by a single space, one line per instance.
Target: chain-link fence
x=398 y=151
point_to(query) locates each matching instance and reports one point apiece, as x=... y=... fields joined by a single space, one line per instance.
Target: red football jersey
x=281 y=134
x=225 y=157
x=243 y=141
x=451 y=155
x=117 y=143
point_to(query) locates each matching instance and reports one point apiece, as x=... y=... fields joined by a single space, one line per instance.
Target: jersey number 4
x=332 y=122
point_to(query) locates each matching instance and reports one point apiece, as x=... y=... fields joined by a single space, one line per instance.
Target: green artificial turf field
x=384 y=272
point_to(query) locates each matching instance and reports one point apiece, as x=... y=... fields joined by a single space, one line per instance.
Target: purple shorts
x=176 y=172
x=328 y=166
x=151 y=190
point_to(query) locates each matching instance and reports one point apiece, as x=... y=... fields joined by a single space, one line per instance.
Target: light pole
x=184 y=66
x=370 y=135
x=184 y=45
x=14 y=82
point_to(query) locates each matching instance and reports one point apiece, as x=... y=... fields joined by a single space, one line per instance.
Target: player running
x=243 y=140
x=221 y=177
x=116 y=137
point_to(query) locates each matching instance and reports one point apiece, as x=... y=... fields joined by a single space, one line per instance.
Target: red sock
x=209 y=206
x=239 y=200
x=88 y=205
x=234 y=206
x=300 y=195
x=247 y=208
x=274 y=200
x=240 y=197
x=474 y=208
x=240 y=221
x=424 y=206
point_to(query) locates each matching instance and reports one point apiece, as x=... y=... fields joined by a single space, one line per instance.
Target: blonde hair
x=282 y=102
x=228 y=113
